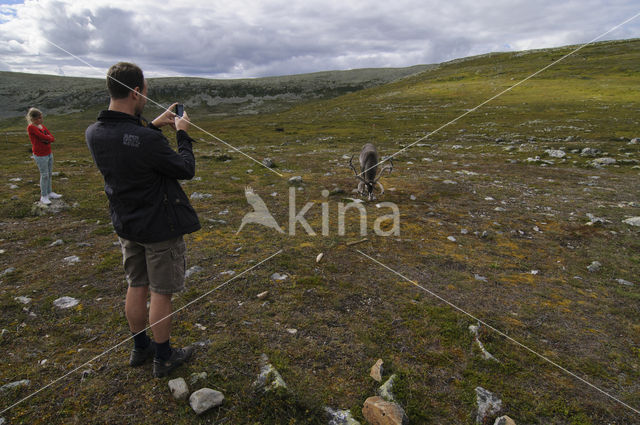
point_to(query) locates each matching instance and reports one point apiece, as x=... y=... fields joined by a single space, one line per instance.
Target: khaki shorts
x=158 y=265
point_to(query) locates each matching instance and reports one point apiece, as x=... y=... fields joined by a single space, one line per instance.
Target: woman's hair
x=33 y=114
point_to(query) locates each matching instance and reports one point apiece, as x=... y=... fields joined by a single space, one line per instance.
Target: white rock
x=413 y=197
x=319 y=257
x=556 y=153
x=340 y=417
x=73 y=259
x=292 y=331
x=263 y=295
x=488 y=404
x=279 y=277
x=295 y=180
x=205 y=399
x=179 y=389
x=195 y=377
x=228 y=273
x=633 y=221
x=269 y=378
x=480 y=278
x=192 y=270
x=66 y=302
x=7 y=271
x=196 y=195
x=200 y=327
x=16 y=384
x=624 y=282
x=23 y=300
x=451 y=238
x=60 y=242
x=449 y=182
x=603 y=161
x=386 y=390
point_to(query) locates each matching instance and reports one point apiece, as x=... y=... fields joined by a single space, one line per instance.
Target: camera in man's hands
x=179 y=110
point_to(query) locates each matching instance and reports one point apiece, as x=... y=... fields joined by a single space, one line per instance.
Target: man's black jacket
x=141 y=174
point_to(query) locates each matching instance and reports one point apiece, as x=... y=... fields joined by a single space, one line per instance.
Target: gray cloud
x=271 y=37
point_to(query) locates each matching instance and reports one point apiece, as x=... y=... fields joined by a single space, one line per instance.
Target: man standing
x=149 y=210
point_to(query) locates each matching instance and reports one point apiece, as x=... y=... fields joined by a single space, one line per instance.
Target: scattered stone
x=16 y=384
x=602 y=162
x=386 y=390
x=464 y=232
x=263 y=295
x=633 y=221
x=377 y=411
x=205 y=399
x=292 y=331
x=504 y=420
x=624 y=282
x=200 y=327
x=594 y=267
x=56 y=207
x=227 y=273
x=278 y=277
x=195 y=377
x=480 y=278
x=295 y=180
x=179 y=389
x=556 y=153
x=57 y=243
x=596 y=221
x=319 y=257
x=269 y=378
x=590 y=152
x=268 y=162
x=7 y=271
x=340 y=417
x=376 y=371
x=485 y=354
x=451 y=238
x=192 y=270
x=488 y=404
x=66 y=302
x=449 y=182
x=23 y=300
x=197 y=195
x=73 y=259
x=634 y=141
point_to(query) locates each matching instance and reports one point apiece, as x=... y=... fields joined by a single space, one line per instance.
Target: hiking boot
x=178 y=356
x=140 y=355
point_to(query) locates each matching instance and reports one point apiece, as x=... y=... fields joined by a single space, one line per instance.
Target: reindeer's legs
x=361 y=188
x=381 y=188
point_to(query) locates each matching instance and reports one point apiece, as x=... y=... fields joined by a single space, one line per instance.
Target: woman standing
x=41 y=140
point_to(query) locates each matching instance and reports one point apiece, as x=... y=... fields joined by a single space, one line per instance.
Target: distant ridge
x=58 y=95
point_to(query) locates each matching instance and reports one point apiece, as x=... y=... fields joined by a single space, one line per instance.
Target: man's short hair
x=122 y=78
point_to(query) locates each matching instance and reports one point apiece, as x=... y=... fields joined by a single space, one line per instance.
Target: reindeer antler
x=383 y=169
x=354 y=169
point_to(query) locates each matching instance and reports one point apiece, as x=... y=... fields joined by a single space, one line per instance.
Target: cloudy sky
x=255 y=38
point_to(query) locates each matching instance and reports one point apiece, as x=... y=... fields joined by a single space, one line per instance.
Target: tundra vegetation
x=493 y=219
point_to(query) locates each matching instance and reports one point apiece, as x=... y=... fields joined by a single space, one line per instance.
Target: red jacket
x=40 y=140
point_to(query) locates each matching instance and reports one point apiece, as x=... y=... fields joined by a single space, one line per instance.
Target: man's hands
x=168 y=117
x=182 y=123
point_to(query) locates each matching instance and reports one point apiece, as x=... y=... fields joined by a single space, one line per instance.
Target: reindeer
x=369 y=161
